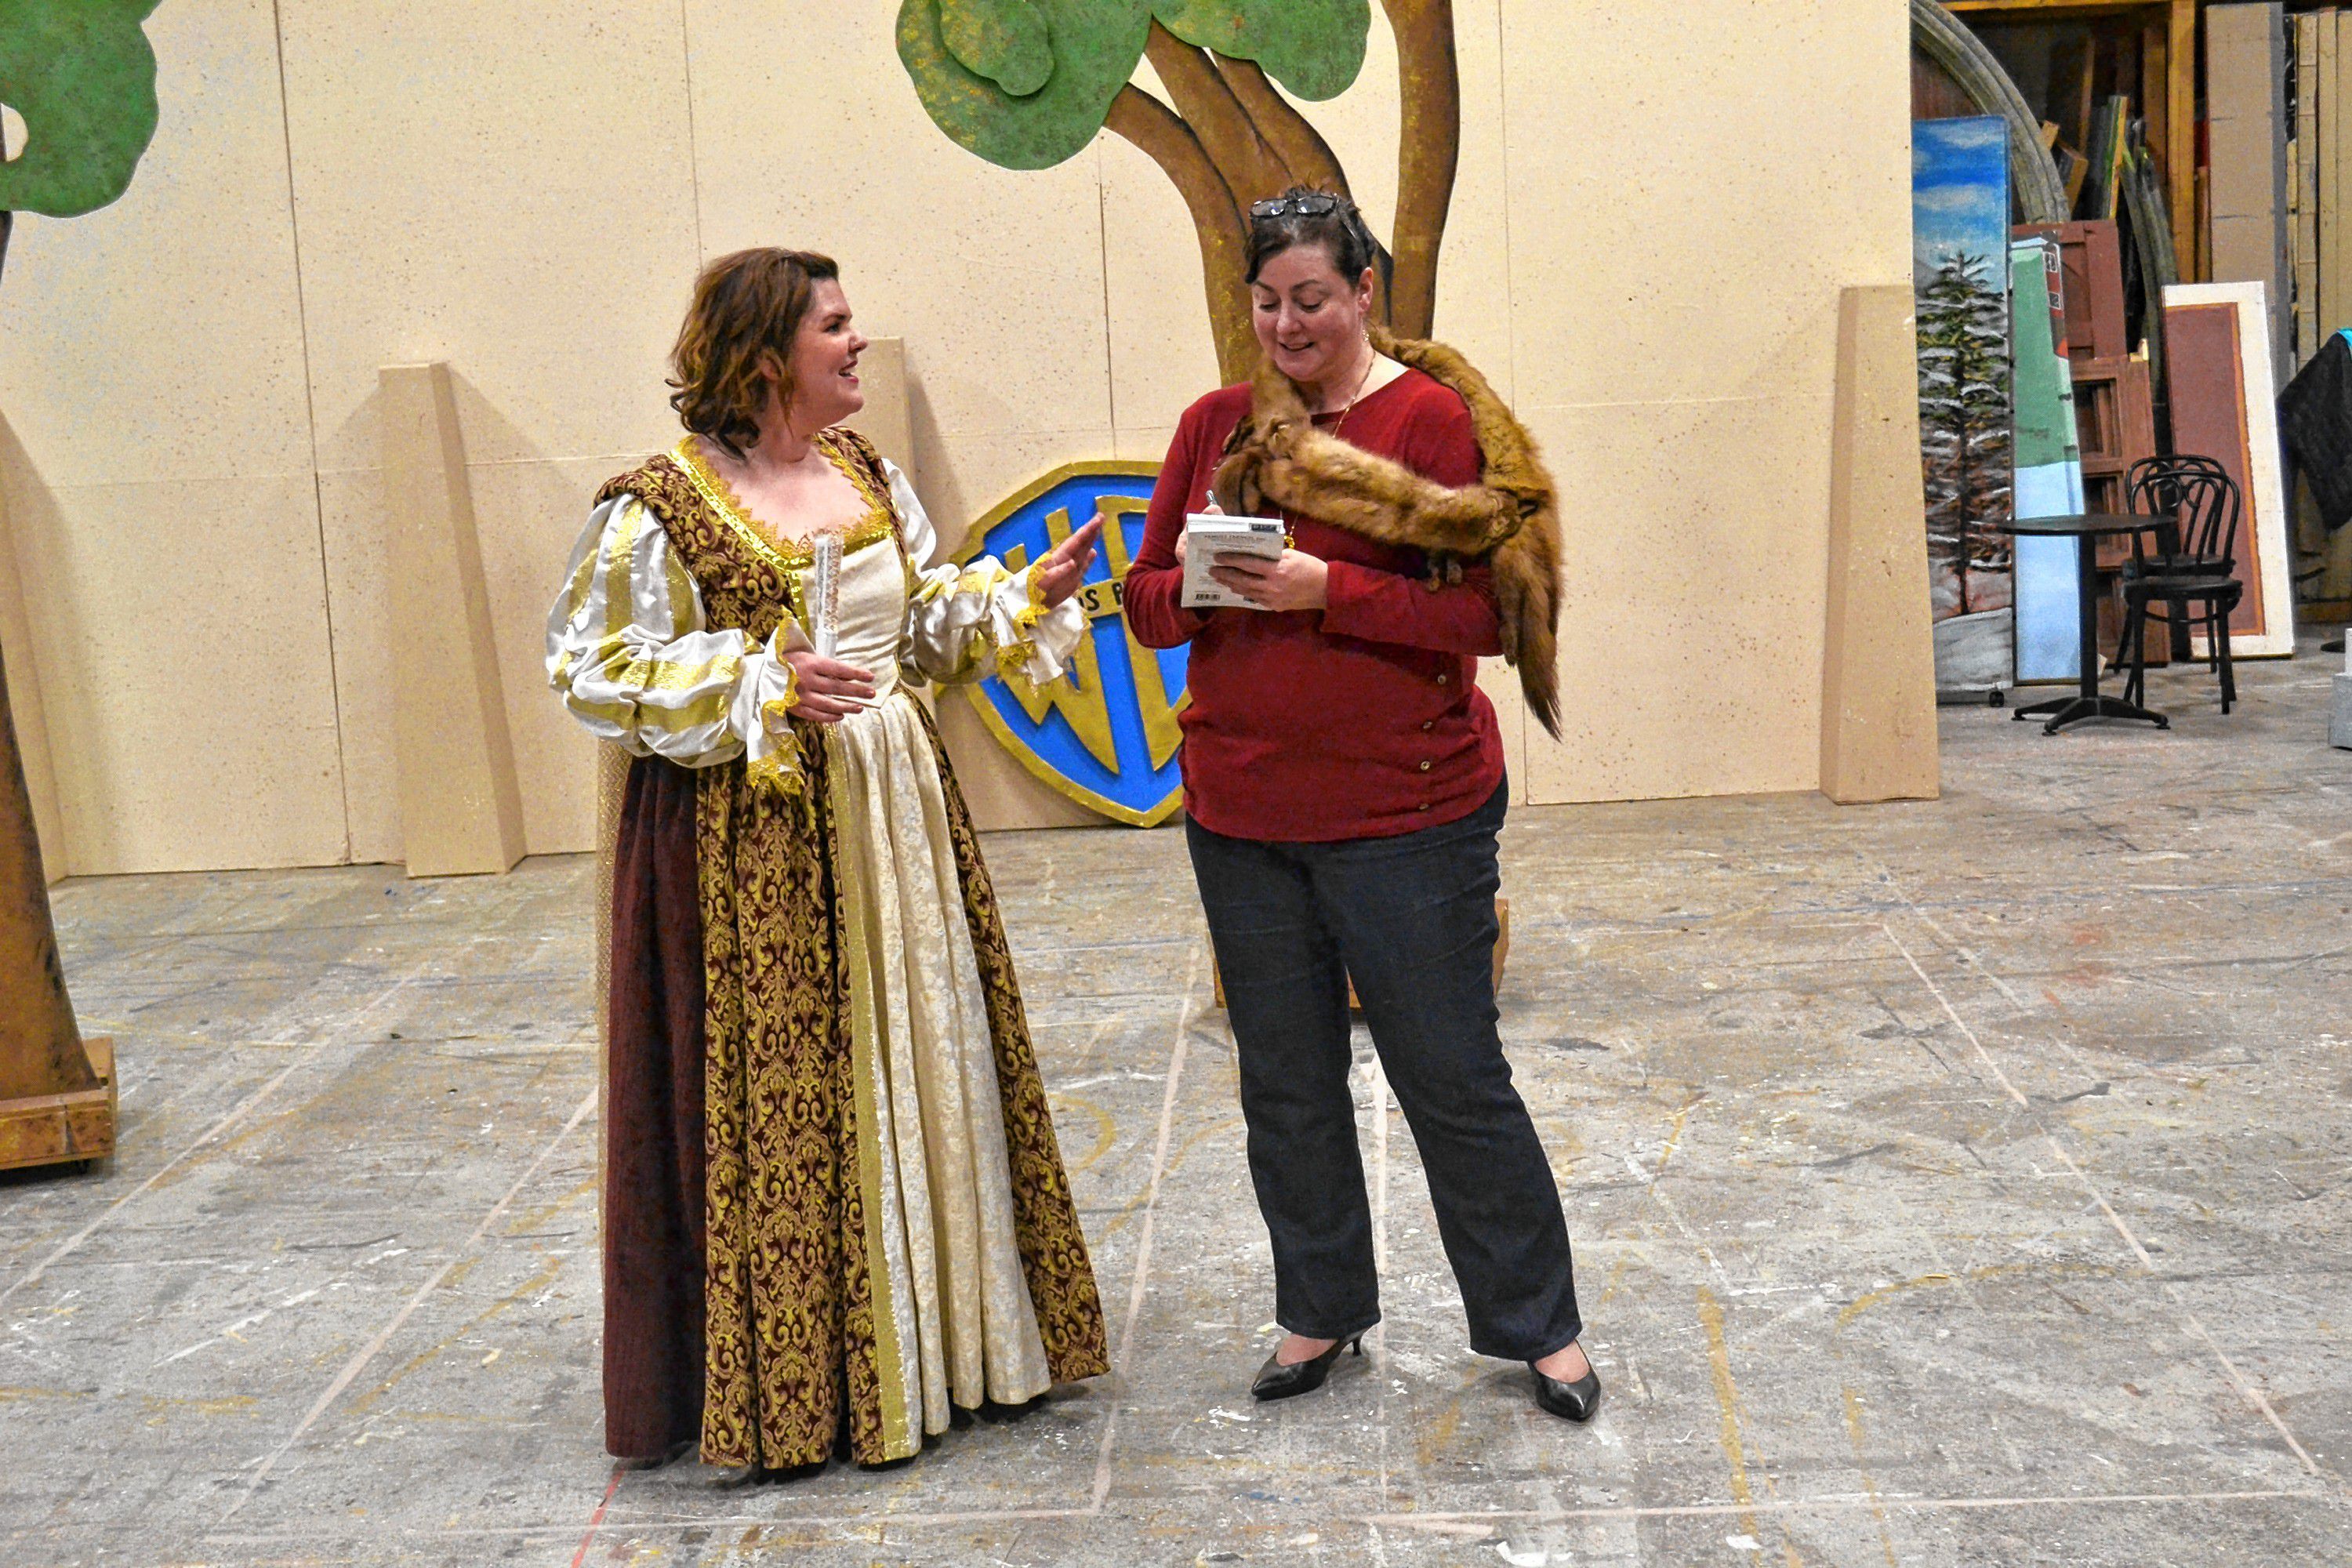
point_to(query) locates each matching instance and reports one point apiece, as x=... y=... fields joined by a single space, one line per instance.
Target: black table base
x=2088 y=703
x=2065 y=711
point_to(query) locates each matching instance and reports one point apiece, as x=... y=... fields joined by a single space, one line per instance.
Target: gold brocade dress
x=887 y=1228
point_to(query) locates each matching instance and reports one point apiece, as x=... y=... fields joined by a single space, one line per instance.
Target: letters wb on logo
x=1107 y=736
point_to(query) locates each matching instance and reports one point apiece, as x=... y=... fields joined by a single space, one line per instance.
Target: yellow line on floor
x=1727 y=1399
x=1862 y=1463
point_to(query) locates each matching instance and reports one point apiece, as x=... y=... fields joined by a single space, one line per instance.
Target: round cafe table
x=2086 y=529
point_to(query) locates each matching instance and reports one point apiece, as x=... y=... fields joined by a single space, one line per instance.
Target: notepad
x=1209 y=534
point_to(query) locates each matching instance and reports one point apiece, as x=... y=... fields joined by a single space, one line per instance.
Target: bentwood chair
x=2191 y=572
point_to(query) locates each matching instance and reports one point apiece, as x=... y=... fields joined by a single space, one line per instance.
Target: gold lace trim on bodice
x=788 y=555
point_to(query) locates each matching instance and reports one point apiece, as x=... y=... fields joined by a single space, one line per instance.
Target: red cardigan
x=1362 y=719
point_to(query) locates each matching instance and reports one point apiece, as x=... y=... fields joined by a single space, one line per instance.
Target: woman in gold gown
x=835 y=1207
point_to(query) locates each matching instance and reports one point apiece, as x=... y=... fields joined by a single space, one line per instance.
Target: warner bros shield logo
x=1108 y=736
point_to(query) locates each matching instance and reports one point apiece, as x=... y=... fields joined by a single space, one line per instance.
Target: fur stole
x=1508 y=520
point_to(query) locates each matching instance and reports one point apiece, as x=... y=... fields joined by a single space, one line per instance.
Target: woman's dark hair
x=1302 y=215
x=747 y=307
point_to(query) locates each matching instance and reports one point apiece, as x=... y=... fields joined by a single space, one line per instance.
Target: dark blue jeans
x=1413 y=918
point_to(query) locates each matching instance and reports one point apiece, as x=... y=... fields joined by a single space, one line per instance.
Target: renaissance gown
x=833 y=1200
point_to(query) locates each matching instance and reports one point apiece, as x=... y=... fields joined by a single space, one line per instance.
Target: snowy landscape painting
x=1959 y=174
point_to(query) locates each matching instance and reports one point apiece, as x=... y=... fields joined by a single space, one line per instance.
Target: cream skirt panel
x=948 y=1242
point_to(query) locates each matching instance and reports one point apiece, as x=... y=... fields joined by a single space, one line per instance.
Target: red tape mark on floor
x=597 y=1520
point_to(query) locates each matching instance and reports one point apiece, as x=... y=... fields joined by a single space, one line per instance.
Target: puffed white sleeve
x=957 y=617
x=629 y=651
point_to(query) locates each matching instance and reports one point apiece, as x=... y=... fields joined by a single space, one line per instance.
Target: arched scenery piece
x=1946 y=39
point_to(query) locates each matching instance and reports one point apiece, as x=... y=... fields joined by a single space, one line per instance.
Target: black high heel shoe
x=1277 y=1381
x=1569 y=1400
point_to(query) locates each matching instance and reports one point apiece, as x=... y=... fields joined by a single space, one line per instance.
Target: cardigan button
x=1424 y=767
x=1422 y=807
x=1429 y=724
x=1442 y=679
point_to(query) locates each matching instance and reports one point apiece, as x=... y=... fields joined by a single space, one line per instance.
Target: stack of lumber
x=2109 y=156
x=2316 y=138
x=2308 y=116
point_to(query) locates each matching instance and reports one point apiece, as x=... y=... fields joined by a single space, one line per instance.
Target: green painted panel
x=1094 y=46
x=1005 y=41
x=82 y=75
x=1314 y=48
x=2044 y=388
x=2049 y=456
x=1025 y=83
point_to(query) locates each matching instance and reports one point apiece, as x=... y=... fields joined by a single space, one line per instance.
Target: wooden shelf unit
x=2169 y=28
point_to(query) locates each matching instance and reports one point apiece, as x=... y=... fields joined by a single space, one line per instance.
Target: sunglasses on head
x=1315 y=203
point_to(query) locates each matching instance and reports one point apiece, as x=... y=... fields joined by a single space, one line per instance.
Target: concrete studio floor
x=1962 y=1183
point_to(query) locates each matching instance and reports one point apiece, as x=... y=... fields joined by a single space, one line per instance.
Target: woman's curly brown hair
x=738 y=336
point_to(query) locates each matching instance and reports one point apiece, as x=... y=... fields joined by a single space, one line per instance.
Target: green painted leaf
x=1095 y=46
x=1003 y=40
x=1314 y=48
x=82 y=75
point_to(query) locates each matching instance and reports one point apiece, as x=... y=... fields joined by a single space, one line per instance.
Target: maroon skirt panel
x=654 y=1111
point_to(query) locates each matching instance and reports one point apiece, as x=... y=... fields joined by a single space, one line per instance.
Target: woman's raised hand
x=830 y=690
x=1059 y=575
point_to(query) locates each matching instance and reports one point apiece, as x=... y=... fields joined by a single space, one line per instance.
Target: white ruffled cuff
x=964 y=614
x=761 y=714
x=1037 y=640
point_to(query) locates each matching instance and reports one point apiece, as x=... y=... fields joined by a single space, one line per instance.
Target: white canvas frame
x=2265 y=520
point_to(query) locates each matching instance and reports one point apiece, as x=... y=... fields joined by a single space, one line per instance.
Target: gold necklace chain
x=1371 y=358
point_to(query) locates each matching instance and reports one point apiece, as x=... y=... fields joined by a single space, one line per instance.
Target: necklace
x=1340 y=423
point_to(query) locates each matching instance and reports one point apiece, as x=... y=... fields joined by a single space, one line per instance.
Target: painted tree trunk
x=1171 y=142
x=40 y=1048
x=83 y=77
x=1429 y=144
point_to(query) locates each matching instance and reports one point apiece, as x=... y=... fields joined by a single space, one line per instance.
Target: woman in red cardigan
x=1344 y=783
